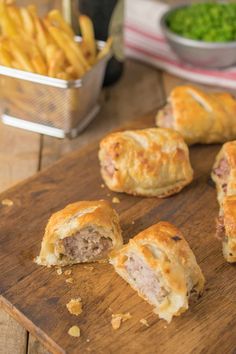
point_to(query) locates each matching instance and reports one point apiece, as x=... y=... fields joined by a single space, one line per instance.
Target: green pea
x=212 y=22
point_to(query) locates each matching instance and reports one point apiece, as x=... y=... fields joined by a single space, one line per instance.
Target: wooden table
x=142 y=89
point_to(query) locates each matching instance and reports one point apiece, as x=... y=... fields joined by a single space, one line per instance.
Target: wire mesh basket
x=48 y=105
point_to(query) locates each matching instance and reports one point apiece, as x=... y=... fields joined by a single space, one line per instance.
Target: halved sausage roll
x=200 y=117
x=148 y=162
x=81 y=232
x=159 y=264
x=224 y=171
x=226 y=228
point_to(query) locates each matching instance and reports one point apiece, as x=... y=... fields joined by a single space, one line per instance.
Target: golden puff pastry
x=148 y=162
x=81 y=232
x=224 y=171
x=200 y=117
x=159 y=264
x=226 y=228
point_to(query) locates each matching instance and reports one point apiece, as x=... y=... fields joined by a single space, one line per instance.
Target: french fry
x=57 y=63
x=39 y=65
x=16 y=65
x=56 y=19
x=28 y=22
x=71 y=71
x=105 y=50
x=5 y=57
x=63 y=76
x=62 y=39
x=20 y=56
x=32 y=10
x=50 y=52
x=38 y=61
x=89 y=43
x=14 y=13
x=41 y=34
x=76 y=48
x=7 y=25
x=55 y=59
x=60 y=36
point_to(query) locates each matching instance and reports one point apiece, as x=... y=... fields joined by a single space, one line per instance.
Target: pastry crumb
x=89 y=267
x=59 y=271
x=116 y=322
x=165 y=327
x=88 y=340
x=70 y=280
x=144 y=322
x=74 y=331
x=118 y=318
x=102 y=261
x=133 y=222
x=74 y=306
x=7 y=202
x=68 y=272
x=115 y=200
x=102 y=185
x=108 y=195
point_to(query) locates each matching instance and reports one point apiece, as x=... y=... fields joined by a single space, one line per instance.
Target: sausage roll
x=148 y=162
x=226 y=228
x=224 y=171
x=81 y=232
x=159 y=264
x=200 y=117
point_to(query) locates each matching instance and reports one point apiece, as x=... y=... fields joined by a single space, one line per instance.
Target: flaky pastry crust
x=148 y=162
x=199 y=116
x=75 y=218
x=228 y=213
x=163 y=249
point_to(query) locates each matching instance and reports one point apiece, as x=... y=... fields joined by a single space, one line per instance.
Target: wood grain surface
x=17 y=162
x=37 y=296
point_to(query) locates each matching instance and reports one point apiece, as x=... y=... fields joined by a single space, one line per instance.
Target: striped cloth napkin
x=144 y=41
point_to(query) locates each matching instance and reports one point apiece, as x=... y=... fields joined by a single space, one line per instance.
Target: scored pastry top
x=147 y=162
x=201 y=117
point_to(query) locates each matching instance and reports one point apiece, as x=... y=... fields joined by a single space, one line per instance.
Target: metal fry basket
x=48 y=105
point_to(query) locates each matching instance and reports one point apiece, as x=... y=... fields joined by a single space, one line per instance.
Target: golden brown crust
x=229 y=206
x=148 y=162
x=228 y=212
x=74 y=218
x=166 y=252
x=225 y=186
x=201 y=117
x=97 y=212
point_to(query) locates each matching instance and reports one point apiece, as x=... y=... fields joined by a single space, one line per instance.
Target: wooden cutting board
x=37 y=296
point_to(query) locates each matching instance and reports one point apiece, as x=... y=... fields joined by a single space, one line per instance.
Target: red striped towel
x=144 y=41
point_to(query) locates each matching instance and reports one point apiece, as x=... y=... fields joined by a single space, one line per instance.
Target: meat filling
x=167 y=116
x=108 y=166
x=146 y=281
x=222 y=171
x=220 y=228
x=86 y=246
